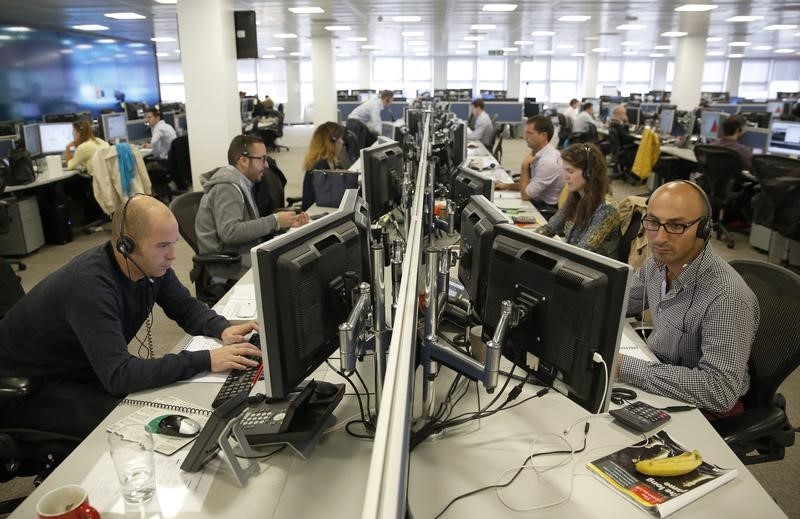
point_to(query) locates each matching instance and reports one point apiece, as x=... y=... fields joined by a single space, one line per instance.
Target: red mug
x=68 y=502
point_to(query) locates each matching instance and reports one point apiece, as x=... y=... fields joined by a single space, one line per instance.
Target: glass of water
x=131 y=449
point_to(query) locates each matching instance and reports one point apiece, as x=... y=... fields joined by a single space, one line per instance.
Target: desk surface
x=44 y=179
x=668 y=149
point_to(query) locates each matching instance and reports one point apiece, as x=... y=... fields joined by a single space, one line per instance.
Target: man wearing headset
x=70 y=333
x=705 y=316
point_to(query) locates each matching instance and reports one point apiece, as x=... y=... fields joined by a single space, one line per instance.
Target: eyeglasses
x=263 y=158
x=651 y=224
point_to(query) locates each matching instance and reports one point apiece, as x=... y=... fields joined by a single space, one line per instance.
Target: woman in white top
x=85 y=144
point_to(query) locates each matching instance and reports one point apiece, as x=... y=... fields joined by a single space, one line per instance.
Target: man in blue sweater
x=70 y=333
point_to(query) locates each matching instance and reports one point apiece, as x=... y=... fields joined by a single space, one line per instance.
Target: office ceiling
x=444 y=24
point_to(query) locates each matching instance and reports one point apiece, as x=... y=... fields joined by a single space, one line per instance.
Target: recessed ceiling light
x=141 y=52
x=630 y=52
x=482 y=27
x=629 y=43
x=357 y=38
x=285 y=35
x=268 y=56
x=66 y=51
x=416 y=42
x=295 y=53
x=735 y=19
x=406 y=18
x=574 y=18
x=565 y=46
x=578 y=54
x=712 y=39
x=762 y=47
x=462 y=52
x=501 y=8
x=739 y=44
x=125 y=16
x=120 y=56
x=275 y=49
x=510 y=49
x=546 y=52
x=83 y=46
x=106 y=40
x=4 y=37
x=662 y=47
x=161 y=39
x=473 y=38
x=600 y=49
x=162 y=54
x=523 y=42
x=466 y=46
x=137 y=45
x=779 y=27
x=167 y=1
x=735 y=55
x=177 y=51
x=696 y=7
x=630 y=27
x=784 y=51
x=656 y=55
x=90 y=27
x=411 y=34
x=592 y=38
x=369 y=47
x=674 y=34
x=337 y=27
x=714 y=53
x=542 y=33
x=306 y=10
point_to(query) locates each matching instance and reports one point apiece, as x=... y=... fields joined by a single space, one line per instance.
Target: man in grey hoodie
x=227 y=219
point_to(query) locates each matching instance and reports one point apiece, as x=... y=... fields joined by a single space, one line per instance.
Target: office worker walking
x=482 y=128
x=705 y=316
x=70 y=333
x=365 y=120
x=587 y=219
x=162 y=134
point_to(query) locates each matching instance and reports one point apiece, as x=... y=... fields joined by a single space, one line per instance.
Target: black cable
x=366 y=389
x=514 y=477
x=355 y=389
x=263 y=456
x=367 y=426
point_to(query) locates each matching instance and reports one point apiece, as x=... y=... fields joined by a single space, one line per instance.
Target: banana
x=673 y=466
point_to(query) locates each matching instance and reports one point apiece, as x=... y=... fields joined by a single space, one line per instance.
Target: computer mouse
x=325 y=389
x=178 y=425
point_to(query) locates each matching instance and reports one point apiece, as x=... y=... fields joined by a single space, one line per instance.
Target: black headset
x=125 y=244
x=587 y=171
x=704 y=226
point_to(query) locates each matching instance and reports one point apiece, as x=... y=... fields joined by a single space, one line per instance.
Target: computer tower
x=246 y=40
x=55 y=220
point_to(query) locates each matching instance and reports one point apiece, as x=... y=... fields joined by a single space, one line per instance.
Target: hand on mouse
x=236 y=334
x=232 y=357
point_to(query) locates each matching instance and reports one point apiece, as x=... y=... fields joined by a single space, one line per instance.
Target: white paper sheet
x=628 y=347
x=201 y=343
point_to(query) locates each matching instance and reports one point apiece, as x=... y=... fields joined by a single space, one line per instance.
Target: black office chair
x=762 y=432
x=621 y=155
x=563 y=129
x=351 y=146
x=589 y=136
x=179 y=166
x=500 y=131
x=185 y=207
x=723 y=182
x=270 y=191
x=5 y=212
x=777 y=203
x=24 y=452
x=270 y=134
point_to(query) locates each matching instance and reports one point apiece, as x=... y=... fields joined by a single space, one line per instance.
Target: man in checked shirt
x=704 y=315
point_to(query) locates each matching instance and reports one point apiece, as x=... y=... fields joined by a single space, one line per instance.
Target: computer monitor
x=54 y=137
x=753 y=107
x=633 y=115
x=301 y=280
x=759 y=119
x=784 y=138
x=10 y=128
x=477 y=234
x=648 y=110
x=135 y=110
x=169 y=118
x=6 y=145
x=382 y=177
x=66 y=117
x=138 y=131
x=756 y=138
x=414 y=118
x=458 y=143
x=666 y=121
x=775 y=108
x=729 y=109
x=574 y=303
x=115 y=127
x=30 y=134
x=180 y=124
x=466 y=183
x=711 y=124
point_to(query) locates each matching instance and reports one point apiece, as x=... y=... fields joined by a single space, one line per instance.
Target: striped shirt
x=703 y=329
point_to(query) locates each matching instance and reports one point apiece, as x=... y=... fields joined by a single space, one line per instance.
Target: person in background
x=732 y=129
x=584 y=119
x=587 y=219
x=228 y=219
x=85 y=144
x=571 y=112
x=323 y=152
x=482 y=130
x=705 y=317
x=368 y=114
x=162 y=134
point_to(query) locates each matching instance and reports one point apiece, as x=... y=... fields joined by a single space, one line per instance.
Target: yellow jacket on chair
x=647 y=155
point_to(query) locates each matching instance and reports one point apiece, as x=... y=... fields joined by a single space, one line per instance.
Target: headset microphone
x=140 y=268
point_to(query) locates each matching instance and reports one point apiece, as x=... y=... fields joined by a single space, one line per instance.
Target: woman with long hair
x=85 y=144
x=323 y=151
x=587 y=219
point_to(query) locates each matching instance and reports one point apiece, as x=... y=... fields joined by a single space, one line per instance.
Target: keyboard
x=239 y=381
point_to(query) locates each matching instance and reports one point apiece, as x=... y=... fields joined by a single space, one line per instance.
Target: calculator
x=524 y=218
x=640 y=417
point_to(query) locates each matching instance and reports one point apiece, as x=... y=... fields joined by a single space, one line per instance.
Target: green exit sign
x=497 y=52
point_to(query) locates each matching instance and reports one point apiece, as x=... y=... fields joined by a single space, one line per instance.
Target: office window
x=754 y=78
x=534 y=79
x=246 y=76
x=387 y=73
x=786 y=70
x=170 y=80
x=306 y=90
x=347 y=77
x=564 y=70
x=491 y=74
x=714 y=74
x=608 y=71
x=417 y=75
x=670 y=76
x=461 y=73
x=272 y=80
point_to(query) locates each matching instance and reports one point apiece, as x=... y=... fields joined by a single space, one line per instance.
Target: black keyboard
x=239 y=380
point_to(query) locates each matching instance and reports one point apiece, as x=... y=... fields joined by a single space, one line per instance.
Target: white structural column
x=292 y=108
x=689 y=59
x=323 y=74
x=209 y=73
x=660 y=74
x=589 y=76
x=439 y=73
x=734 y=76
x=365 y=72
x=512 y=77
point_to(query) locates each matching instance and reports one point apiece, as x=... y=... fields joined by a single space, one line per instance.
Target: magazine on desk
x=661 y=495
x=151 y=410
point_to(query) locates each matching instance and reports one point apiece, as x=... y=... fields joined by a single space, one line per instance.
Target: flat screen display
x=54 y=137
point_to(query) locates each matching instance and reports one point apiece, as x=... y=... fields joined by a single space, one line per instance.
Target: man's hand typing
x=232 y=356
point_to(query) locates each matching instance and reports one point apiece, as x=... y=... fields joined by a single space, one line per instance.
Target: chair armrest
x=15 y=388
x=225 y=258
x=749 y=425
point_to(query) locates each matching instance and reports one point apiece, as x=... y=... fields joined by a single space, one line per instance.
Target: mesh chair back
x=776 y=348
x=563 y=127
x=179 y=164
x=185 y=207
x=722 y=168
x=767 y=167
x=777 y=205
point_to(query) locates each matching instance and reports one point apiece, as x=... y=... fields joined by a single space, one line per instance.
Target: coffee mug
x=67 y=502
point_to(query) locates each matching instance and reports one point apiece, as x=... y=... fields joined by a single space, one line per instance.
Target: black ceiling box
x=246 y=41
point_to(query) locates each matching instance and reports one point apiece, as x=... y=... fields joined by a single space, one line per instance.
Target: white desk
x=44 y=179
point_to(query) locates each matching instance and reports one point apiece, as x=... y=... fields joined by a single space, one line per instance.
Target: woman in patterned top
x=587 y=219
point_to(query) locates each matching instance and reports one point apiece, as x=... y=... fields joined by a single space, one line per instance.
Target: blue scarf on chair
x=127 y=167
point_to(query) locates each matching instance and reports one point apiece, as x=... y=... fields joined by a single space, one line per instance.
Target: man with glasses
x=704 y=315
x=228 y=219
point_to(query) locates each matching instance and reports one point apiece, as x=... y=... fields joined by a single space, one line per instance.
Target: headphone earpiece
x=125 y=244
x=587 y=172
x=705 y=225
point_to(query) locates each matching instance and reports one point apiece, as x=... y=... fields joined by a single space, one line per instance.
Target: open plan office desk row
x=332 y=482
